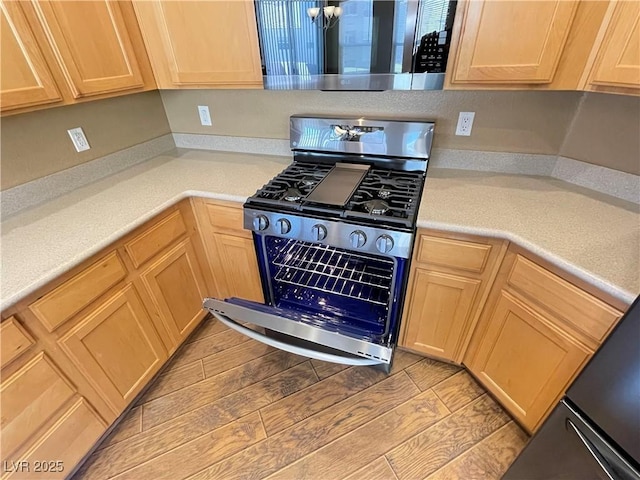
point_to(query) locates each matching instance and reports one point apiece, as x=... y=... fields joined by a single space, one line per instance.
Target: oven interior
x=350 y=292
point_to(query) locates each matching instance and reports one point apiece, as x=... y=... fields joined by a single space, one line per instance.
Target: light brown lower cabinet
x=176 y=286
x=523 y=330
x=536 y=332
x=237 y=267
x=230 y=250
x=30 y=397
x=77 y=352
x=448 y=284
x=524 y=359
x=14 y=340
x=62 y=446
x=46 y=426
x=445 y=301
x=116 y=347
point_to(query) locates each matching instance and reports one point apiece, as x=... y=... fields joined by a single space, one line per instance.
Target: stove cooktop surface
x=383 y=196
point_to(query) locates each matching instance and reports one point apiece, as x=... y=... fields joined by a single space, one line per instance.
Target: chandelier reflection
x=328 y=18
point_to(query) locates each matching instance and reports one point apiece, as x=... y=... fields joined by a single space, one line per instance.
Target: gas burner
x=383 y=193
x=376 y=207
x=311 y=180
x=292 y=195
x=384 y=196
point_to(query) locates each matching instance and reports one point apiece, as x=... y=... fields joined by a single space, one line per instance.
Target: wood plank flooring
x=229 y=407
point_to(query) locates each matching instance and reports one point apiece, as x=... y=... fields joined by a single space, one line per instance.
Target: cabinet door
x=63 y=445
x=211 y=44
x=25 y=78
x=92 y=45
x=116 y=347
x=511 y=41
x=177 y=288
x=28 y=399
x=523 y=359
x=618 y=61
x=440 y=307
x=236 y=268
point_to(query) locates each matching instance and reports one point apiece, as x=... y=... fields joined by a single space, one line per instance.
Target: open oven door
x=302 y=336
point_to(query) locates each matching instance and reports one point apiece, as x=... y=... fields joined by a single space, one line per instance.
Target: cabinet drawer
x=14 y=340
x=29 y=398
x=578 y=309
x=457 y=254
x=149 y=243
x=64 y=302
x=227 y=218
x=64 y=444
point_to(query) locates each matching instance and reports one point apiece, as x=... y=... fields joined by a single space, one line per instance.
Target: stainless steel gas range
x=334 y=234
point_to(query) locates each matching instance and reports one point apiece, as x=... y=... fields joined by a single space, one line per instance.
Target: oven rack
x=333 y=271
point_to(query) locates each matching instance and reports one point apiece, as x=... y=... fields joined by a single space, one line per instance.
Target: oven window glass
x=352 y=291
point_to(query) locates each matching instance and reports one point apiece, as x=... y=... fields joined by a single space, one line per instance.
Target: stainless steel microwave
x=354 y=44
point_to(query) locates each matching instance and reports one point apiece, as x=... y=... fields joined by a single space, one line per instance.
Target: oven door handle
x=305 y=352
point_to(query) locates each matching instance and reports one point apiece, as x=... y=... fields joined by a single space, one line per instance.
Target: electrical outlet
x=205 y=117
x=465 y=123
x=78 y=139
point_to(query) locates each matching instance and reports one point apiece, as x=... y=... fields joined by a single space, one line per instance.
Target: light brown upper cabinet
x=91 y=44
x=202 y=44
x=25 y=78
x=546 y=45
x=511 y=41
x=66 y=52
x=616 y=66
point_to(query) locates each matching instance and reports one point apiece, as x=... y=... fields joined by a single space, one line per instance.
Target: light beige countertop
x=594 y=236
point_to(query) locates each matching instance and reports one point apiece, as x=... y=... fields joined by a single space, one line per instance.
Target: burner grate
x=294 y=183
x=387 y=195
x=384 y=196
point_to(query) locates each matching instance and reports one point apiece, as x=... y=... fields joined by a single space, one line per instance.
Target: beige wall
x=596 y=128
x=505 y=121
x=33 y=145
x=606 y=131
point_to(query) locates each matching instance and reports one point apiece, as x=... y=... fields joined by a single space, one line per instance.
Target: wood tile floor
x=228 y=407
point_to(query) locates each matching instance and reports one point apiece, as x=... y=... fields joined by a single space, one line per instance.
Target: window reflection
x=399 y=29
x=370 y=36
x=289 y=43
x=355 y=34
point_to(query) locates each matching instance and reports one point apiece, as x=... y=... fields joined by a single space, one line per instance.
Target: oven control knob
x=283 y=226
x=358 y=239
x=384 y=243
x=318 y=232
x=260 y=223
